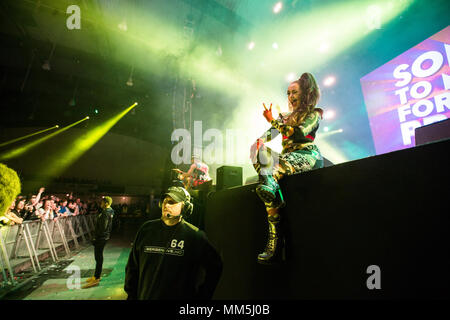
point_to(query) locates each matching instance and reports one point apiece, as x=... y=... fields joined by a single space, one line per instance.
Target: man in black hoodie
x=103 y=226
x=170 y=258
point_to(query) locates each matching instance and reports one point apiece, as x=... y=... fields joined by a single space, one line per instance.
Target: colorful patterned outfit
x=200 y=174
x=299 y=152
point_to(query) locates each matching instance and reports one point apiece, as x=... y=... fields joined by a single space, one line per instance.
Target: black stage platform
x=387 y=210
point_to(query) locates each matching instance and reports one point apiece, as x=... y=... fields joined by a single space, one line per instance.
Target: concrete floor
x=64 y=286
x=58 y=281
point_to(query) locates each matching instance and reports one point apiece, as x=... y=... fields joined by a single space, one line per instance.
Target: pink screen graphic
x=408 y=92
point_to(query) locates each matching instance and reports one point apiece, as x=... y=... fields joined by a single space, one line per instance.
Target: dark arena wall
x=387 y=210
x=135 y=164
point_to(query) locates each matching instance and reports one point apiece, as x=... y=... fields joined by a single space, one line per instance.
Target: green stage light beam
x=27 y=136
x=27 y=147
x=329 y=133
x=75 y=150
x=302 y=40
x=334 y=155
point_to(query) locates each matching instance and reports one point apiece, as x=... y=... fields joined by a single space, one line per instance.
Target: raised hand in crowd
x=35 y=200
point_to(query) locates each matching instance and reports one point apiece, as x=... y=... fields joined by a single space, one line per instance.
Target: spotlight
x=87 y=117
x=130 y=79
x=219 y=51
x=326 y=129
x=275 y=45
x=251 y=45
x=123 y=25
x=130 y=82
x=57 y=126
x=329 y=114
x=324 y=46
x=96 y=111
x=329 y=81
x=291 y=77
x=373 y=17
x=278 y=6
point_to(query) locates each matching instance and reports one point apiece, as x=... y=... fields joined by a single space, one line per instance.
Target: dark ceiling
x=89 y=72
x=93 y=65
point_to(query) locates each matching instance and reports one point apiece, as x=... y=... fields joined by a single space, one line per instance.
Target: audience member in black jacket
x=102 y=232
x=170 y=258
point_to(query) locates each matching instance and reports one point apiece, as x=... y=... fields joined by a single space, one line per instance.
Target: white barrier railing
x=26 y=242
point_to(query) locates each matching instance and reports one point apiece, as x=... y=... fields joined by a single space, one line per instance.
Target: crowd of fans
x=47 y=207
x=16 y=208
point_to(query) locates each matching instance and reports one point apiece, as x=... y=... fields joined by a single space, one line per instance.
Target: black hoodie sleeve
x=132 y=272
x=211 y=262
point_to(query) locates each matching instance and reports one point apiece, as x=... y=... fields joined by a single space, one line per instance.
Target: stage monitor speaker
x=228 y=176
x=433 y=132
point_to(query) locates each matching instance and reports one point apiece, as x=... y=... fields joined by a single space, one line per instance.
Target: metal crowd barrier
x=27 y=241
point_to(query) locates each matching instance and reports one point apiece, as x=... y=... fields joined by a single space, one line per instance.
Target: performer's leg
x=288 y=164
x=273 y=252
x=266 y=159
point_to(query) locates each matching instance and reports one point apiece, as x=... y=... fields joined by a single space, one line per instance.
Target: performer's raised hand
x=268 y=113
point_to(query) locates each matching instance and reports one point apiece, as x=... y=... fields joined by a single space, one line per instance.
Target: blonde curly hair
x=10 y=187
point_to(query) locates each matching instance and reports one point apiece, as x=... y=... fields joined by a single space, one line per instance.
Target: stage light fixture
x=373 y=17
x=123 y=25
x=324 y=46
x=46 y=64
x=277 y=8
x=130 y=82
x=251 y=45
x=291 y=77
x=329 y=81
x=329 y=114
x=130 y=78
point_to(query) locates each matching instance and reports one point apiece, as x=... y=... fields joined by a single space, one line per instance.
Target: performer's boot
x=275 y=243
x=268 y=188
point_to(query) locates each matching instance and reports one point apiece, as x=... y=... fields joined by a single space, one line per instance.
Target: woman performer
x=298 y=128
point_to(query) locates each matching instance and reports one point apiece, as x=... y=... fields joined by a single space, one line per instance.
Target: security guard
x=170 y=258
x=102 y=234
